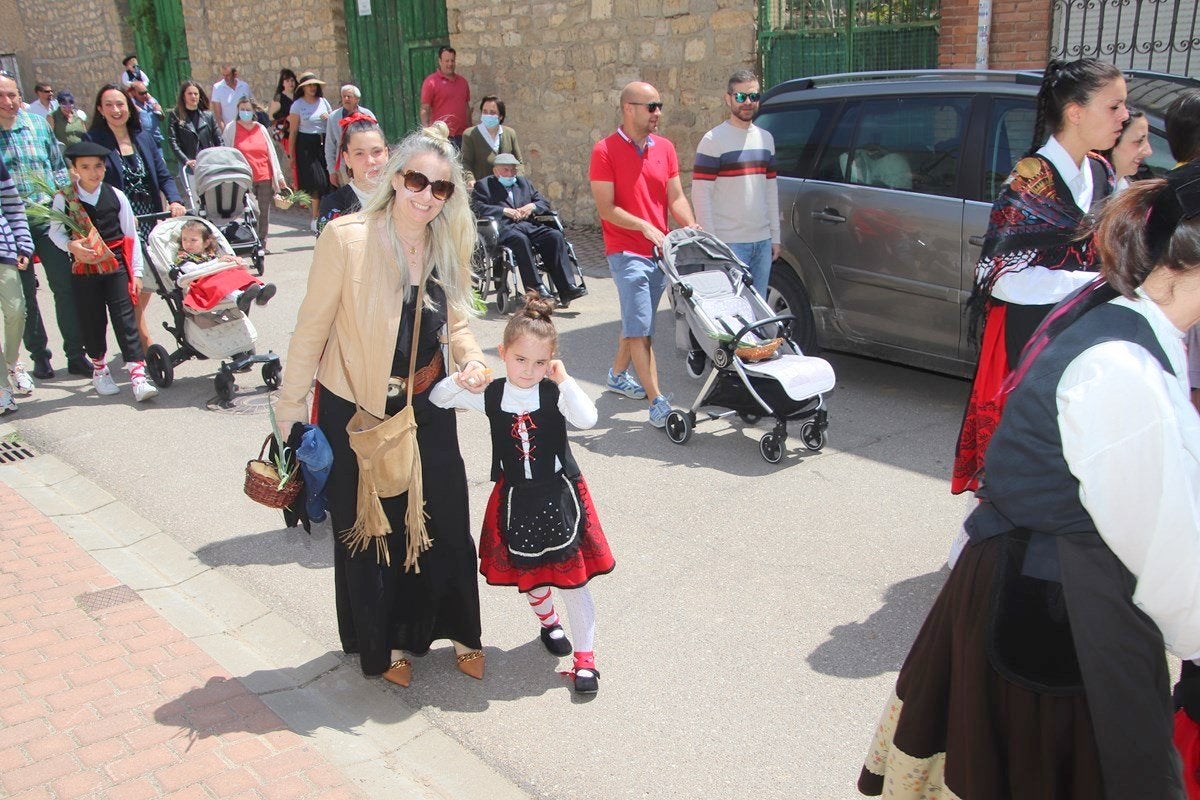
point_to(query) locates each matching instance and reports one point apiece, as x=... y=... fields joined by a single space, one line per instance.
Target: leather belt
x=423 y=378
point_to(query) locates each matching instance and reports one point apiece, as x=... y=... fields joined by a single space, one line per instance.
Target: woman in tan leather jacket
x=354 y=328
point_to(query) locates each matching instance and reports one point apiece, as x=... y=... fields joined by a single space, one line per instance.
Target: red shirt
x=639 y=186
x=254 y=146
x=447 y=99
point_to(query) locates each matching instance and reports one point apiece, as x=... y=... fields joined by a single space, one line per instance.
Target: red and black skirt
x=506 y=559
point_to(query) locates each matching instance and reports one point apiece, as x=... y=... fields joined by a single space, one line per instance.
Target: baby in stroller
x=197 y=251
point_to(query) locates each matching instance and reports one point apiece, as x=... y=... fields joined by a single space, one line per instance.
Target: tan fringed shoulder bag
x=389 y=464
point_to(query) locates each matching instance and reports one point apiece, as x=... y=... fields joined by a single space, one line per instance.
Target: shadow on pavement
x=880 y=643
x=273 y=548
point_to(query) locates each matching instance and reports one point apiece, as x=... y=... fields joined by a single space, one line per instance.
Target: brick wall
x=74 y=45
x=559 y=66
x=1019 y=36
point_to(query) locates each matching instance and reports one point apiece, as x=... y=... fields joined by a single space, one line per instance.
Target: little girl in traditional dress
x=540 y=530
x=198 y=248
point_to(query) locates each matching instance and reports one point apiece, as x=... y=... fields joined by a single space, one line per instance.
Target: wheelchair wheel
x=508 y=290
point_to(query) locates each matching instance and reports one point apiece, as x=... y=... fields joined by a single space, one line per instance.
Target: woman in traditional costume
x=1040 y=671
x=397 y=591
x=1032 y=256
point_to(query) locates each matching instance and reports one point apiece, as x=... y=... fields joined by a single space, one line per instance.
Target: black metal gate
x=1157 y=35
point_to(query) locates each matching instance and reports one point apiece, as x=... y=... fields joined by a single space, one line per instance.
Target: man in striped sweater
x=733 y=182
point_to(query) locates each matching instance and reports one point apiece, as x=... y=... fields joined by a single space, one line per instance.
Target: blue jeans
x=756 y=256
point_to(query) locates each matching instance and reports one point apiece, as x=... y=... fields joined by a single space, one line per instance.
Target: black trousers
x=523 y=237
x=94 y=296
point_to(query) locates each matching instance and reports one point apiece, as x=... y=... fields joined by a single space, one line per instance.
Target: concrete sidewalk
x=128 y=669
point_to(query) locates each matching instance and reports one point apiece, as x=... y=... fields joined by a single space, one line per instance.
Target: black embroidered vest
x=545 y=428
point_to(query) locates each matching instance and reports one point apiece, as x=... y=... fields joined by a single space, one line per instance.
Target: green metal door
x=393 y=46
x=800 y=38
x=161 y=42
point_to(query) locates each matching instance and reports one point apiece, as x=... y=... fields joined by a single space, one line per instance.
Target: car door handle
x=828 y=215
x=976 y=240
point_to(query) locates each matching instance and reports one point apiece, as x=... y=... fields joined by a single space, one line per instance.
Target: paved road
x=757 y=615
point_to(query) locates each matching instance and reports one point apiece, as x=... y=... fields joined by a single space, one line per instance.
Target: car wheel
x=786 y=295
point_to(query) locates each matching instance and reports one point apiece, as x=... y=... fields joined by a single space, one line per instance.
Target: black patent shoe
x=587 y=680
x=560 y=646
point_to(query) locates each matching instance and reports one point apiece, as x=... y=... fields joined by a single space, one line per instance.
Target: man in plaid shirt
x=30 y=151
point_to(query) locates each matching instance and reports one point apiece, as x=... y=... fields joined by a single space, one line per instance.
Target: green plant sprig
x=282 y=454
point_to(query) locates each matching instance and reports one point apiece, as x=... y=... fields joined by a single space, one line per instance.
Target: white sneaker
x=22 y=384
x=313 y=227
x=7 y=404
x=104 y=383
x=144 y=390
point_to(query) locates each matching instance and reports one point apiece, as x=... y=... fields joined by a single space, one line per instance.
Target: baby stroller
x=756 y=369
x=221 y=190
x=222 y=332
x=494 y=267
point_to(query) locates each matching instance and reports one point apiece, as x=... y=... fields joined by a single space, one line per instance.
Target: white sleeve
x=575 y=405
x=1136 y=453
x=1037 y=286
x=58 y=232
x=446 y=393
x=332 y=129
x=702 y=190
x=130 y=229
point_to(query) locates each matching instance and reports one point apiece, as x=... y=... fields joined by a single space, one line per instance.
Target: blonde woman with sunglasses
x=354 y=333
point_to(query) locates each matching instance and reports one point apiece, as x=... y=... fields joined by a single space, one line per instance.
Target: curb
x=311 y=689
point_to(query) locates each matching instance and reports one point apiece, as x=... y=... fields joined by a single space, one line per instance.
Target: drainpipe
x=983 y=34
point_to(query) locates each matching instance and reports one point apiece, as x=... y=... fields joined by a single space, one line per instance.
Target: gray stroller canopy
x=218 y=165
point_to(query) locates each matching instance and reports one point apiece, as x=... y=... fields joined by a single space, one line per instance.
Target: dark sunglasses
x=651 y=107
x=742 y=97
x=415 y=182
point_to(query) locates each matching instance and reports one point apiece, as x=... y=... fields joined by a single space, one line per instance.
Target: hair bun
x=537 y=307
x=439 y=131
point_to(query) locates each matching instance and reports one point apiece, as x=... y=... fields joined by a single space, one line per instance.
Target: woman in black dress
x=136 y=167
x=280 y=108
x=397 y=594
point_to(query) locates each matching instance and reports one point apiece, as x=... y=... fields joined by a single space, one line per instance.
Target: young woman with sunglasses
x=354 y=333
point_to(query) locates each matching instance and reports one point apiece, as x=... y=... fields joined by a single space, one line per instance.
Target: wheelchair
x=494 y=270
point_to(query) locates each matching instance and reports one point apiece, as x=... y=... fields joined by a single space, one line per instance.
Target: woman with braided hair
x=1032 y=254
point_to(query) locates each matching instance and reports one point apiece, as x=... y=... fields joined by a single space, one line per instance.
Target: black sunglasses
x=741 y=97
x=651 y=107
x=415 y=182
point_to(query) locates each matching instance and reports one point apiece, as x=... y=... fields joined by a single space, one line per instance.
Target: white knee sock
x=581 y=615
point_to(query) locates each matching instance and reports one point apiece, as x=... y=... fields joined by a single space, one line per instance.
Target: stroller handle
x=155 y=217
x=760 y=323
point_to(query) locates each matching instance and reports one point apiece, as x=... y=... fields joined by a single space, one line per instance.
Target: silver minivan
x=886 y=181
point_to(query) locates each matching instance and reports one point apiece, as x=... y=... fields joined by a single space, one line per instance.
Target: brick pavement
x=101 y=697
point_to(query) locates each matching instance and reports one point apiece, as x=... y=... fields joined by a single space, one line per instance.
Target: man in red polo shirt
x=446 y=95
x=635 y=182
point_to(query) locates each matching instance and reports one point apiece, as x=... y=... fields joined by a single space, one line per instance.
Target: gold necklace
x=412 y=248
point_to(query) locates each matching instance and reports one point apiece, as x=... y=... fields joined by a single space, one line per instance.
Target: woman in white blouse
x=1040 y=668
x=306 y=119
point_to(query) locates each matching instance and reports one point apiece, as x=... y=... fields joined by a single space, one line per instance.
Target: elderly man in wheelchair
x=514 y=216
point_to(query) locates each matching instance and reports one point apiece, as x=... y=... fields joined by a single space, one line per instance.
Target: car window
x=1160 y=162
x=835 y=158
x=797 y=132
x=1010 y=130
x=909 y=143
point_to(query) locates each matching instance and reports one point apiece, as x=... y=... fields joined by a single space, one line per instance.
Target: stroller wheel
x=771 y=448
x=225 y=385
x=271 y=372
x=812 y=435
x=158 y=364
x=679 y=427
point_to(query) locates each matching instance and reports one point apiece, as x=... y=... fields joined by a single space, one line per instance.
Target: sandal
x=471 y=663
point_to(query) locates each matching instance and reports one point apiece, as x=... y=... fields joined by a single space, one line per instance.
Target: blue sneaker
x=659 y=410
x=626 y=385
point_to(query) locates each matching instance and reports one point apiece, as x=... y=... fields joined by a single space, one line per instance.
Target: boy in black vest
x=106 y=269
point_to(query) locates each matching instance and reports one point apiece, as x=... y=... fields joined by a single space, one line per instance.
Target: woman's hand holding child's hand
x=557 y=371
x=474 y=378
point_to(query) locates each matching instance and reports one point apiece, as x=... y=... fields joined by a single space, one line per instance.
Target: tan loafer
x=399 y=673
x=471 y=664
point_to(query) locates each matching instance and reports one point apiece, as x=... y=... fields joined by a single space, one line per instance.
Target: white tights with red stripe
x=581 y=616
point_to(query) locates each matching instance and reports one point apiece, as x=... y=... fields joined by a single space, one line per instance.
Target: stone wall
x=262 y=36
x=74 y=45
x=559 y=66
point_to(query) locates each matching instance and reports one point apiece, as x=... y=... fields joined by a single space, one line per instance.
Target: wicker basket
x=758 y=352
x=282 y=203
x=262 y=482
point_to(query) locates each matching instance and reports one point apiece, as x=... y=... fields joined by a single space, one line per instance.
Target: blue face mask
x=507 y=183
x=489 y=120
x=245 y=116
